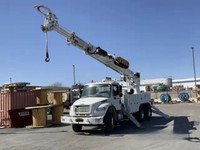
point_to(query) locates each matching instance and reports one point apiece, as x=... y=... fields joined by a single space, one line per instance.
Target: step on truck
x=108 y=102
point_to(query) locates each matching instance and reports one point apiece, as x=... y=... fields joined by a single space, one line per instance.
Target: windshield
x=96 y=90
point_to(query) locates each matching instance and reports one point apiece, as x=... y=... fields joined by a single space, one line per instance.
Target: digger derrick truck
x=108 y=102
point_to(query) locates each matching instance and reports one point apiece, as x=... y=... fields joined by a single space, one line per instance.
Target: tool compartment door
x=135 y=100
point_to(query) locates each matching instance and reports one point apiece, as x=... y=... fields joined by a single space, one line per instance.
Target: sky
x=155 y=36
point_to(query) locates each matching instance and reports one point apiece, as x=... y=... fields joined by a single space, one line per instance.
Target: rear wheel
x=141 y=114
x=148 y=112
x=77 y=127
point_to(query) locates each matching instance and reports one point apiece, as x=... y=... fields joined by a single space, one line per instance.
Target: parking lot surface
x=180 y=132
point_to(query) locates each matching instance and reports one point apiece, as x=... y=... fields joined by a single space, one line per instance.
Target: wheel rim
x=112 y=122
x=149 y=112
x=142 y=114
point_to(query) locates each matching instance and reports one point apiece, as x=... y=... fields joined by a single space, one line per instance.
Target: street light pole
x=74 y=74
x=194 y=68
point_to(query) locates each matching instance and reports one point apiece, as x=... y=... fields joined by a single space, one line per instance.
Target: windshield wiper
x=100 y=96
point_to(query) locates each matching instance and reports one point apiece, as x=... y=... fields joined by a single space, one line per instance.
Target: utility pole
x=194 y=69
x=74 y=74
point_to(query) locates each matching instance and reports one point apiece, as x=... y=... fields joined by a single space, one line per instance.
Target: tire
x=109 y=122
x=141 y=114
x=148 y=112
x=77 y=127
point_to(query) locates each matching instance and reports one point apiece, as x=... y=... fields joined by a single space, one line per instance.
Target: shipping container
x=12 y=101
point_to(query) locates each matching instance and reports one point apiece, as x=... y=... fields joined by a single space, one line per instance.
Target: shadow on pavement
x=127 y=127
x=181 y=126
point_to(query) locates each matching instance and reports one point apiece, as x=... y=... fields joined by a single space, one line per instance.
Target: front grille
x=83 y=109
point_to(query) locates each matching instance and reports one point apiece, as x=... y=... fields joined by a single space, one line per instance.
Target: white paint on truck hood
x=89 y=100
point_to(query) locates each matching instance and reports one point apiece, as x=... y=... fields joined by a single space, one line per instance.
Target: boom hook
x=47 y=59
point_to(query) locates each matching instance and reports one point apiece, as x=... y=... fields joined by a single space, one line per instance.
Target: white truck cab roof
x=105 y=81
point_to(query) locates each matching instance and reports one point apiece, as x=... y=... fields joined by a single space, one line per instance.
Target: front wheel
x=109 y=123
x=77 y=127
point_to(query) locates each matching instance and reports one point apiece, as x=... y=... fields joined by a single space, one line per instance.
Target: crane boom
x=117 y=64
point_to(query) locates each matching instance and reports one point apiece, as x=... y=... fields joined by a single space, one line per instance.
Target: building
x=186 y=83
x=169 y=82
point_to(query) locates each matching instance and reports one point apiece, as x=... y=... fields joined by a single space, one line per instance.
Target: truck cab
x=98 y=100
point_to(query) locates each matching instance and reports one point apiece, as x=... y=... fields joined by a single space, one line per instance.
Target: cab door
x=116 y=100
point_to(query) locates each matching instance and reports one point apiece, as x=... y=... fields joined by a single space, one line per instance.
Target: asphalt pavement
x=180 y=132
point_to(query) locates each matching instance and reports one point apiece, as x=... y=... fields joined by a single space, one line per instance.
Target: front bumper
x=82 y=120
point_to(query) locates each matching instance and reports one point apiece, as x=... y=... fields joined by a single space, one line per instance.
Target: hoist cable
x=47 y=59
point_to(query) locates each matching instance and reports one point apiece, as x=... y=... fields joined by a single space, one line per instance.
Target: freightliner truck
x=105 y=103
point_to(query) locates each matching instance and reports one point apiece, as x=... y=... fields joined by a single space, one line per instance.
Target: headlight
x=101 y=109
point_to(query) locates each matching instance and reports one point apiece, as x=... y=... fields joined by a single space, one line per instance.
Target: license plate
x=79 y=119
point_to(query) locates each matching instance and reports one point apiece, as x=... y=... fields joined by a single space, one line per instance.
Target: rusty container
x=12 y=101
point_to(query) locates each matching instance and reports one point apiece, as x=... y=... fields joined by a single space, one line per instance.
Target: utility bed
x=133 y=102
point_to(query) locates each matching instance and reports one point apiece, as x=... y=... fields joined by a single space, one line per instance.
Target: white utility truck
x=108 y=102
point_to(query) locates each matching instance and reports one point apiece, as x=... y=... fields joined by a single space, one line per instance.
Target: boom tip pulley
x=38 y=9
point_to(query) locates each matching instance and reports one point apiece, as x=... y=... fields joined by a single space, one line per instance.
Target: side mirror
x=120 y=94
